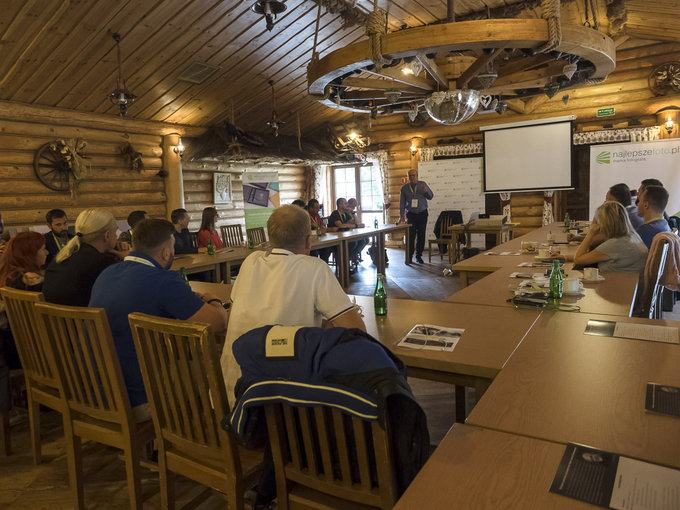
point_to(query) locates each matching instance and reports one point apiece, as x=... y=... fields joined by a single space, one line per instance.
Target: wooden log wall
x=198 y=188
x=626 y=89
x=24 y=200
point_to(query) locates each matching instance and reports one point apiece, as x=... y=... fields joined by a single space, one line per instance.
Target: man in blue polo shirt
x=413 y=199
x=651 y=206
x=143 y=283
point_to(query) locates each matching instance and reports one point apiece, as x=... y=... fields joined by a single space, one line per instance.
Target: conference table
x=563 y=385
x=477 y=468
x=223 y=259
x=502 y=231
x=480 y=354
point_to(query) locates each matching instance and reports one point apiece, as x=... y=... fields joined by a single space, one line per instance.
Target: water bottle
x=211 y=248
x=567 y=222
x=375 y=224
x=555 y=292
x=380 y=297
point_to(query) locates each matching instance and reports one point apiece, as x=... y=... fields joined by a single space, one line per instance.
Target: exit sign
x=605 y=112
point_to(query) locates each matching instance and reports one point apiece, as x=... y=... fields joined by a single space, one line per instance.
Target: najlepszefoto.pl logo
x=603 y=158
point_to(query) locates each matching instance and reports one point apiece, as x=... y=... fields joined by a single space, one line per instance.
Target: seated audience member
x=651 y=205
x=317 y=225
x=69 y=279
x=622 y=249
x=299 y=203
x=208 y=229
x=58 y=235
x=340 y=218
x=621 y=193
x=143 y=283
x=133 y=218
x=284 y=287
x=20 y=268
x=183 y=243
x=649 y=182
x=356 y=246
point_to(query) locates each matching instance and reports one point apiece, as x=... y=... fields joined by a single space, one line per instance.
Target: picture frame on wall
x=222 y=188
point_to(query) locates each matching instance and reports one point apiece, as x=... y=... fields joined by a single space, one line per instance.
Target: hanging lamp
x=121 y=97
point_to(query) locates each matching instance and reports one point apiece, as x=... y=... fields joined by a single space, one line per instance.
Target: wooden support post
x=172 y=163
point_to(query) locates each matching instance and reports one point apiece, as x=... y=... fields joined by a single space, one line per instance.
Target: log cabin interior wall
x=198 y=187
x=111 y=184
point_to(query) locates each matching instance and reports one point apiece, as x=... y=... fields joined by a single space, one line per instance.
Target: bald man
x=413 y=210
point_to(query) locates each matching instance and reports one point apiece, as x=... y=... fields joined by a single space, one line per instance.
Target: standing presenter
x=413 y=210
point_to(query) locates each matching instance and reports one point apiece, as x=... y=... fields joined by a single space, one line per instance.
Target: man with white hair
x=284 y=286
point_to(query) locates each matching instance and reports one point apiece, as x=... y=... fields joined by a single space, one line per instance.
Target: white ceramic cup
x=574 y=231
x=544 y=253
x=571 y=285
x=591 y=273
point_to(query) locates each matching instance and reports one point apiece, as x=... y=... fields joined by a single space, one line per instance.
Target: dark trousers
x=418 y=222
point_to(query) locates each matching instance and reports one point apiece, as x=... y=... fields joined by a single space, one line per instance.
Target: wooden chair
x=449 y=218
x=232 y=235
x=256 y=235
x=648 y=303
x=42 y=386
x=194 y=239
x=184 y=383
x=328 y=459
x=80 y=344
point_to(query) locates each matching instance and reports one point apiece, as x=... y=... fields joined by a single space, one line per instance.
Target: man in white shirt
x=285 y=286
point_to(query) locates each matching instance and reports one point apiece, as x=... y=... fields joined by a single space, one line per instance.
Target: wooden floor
x=24 y=486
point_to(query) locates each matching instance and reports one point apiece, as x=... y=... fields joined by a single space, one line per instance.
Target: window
x=363 y=183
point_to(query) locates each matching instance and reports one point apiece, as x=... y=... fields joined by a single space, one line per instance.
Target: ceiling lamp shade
x=453 y=106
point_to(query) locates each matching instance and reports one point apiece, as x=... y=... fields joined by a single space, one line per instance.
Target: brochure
x=434 y=338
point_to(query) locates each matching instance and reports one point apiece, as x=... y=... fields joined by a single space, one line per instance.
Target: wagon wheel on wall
x=51 y=168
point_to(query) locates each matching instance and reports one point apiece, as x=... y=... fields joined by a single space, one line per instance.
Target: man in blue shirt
x=183 y=244
x=651 y=206
x=142 y=283
x=413 y=210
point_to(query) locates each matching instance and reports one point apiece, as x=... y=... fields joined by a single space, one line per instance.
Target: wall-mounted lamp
x=414 y=150
x=179 y=148
x=669 y=125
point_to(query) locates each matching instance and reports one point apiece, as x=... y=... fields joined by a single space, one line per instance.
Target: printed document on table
x=433 y=338
x=643 y=486
x=645 y=332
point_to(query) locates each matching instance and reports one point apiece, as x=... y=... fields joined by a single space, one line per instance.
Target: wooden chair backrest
x=80 y=343
x=185 y=388
x=232 y=235
x=330 y=452
x=256 y=235
x=20 y=309
x=653 y=272
x=448 y=220
x=194 y=239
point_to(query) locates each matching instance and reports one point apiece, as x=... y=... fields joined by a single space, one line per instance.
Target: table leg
x=407 y=234
x=227 y=272
x=218 y=272
x=380 y=246
x=343 y=263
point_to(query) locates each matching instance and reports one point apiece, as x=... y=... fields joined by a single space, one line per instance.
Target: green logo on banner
x=603 y=158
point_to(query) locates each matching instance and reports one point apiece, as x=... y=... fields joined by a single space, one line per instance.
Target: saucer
x=599 y=279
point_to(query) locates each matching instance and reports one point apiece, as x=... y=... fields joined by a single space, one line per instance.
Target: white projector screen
x=528 y=157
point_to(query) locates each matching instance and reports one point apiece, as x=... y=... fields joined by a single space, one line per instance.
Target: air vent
x=197 y=72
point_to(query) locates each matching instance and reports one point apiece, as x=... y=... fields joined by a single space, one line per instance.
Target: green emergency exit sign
x=605 y=112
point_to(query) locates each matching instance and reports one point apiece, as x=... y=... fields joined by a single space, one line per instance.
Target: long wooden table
x=614 y=296
x=478 y=357
x=482 y=469
x=220 y=262
x=502 y=232
x=564 y=386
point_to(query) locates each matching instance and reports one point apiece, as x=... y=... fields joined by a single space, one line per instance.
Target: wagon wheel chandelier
x=450 y=69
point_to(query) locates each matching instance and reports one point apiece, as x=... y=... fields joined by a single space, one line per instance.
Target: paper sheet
x=646 y=332
x=643 y=486
x=433 y=338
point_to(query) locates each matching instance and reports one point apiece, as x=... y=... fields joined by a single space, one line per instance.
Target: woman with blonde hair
x=622 y=249
x=69 y=279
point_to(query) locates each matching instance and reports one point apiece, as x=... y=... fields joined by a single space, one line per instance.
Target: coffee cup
x=544 y=253
x=574 y=231
x=529 y=246
x=571 y=285
x=591 y=273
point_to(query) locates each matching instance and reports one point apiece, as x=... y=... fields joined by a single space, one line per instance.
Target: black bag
x=372 y=252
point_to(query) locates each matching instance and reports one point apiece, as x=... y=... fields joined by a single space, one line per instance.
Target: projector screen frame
x=515 y=125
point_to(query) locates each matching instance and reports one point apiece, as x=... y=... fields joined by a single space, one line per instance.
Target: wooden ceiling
x=61 y=52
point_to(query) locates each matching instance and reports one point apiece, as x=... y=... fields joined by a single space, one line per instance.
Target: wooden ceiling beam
x=477 y=66
x=407 y=79
x=434 y=70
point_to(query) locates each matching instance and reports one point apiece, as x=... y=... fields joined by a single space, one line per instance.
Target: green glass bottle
x=251 y=244
x=555 y=292
x=567 y=222
x=183 y=274
x=375 y=223
x=380 y=296
x=211 y=248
